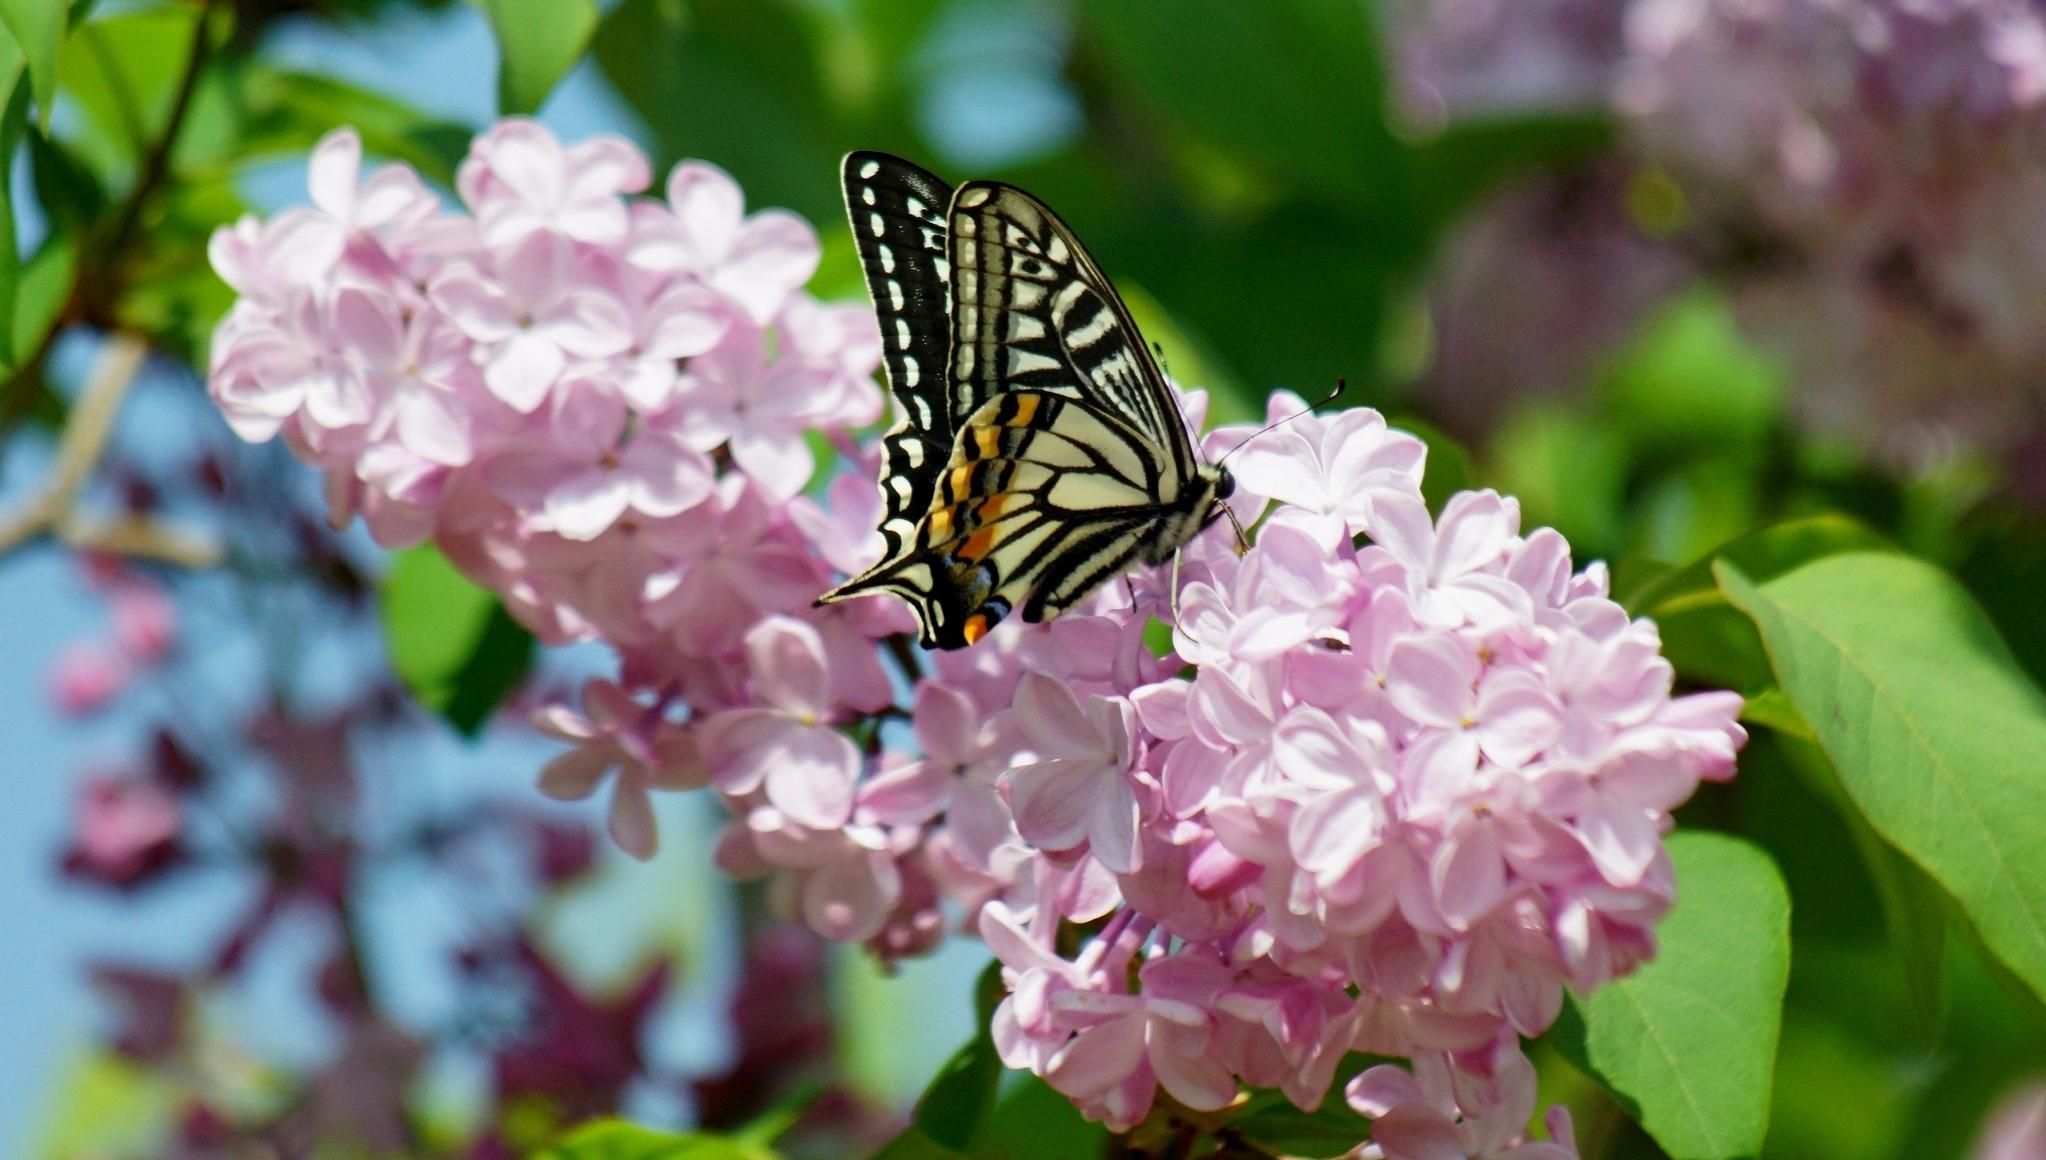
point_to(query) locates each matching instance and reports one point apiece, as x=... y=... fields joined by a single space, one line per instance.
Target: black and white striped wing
x=898 y=212
x=1063 y=457
x=1031 y=309
x=1045 y=496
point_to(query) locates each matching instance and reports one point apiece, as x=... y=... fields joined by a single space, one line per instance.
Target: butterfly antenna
x=1342 y=384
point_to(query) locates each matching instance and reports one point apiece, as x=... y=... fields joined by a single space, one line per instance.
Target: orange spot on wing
x=940 y=522
x=990 y=509
x=959 y=479
x=1026 y=408
x=988 y=440
x=976 y=626
x=977 y=545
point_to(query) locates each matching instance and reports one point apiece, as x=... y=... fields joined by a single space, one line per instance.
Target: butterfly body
x=1038 y=449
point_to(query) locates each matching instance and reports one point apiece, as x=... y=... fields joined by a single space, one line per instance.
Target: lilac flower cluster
x=1868 y=172
x=1390 y=798
x=596 y=405
x=1889 y=150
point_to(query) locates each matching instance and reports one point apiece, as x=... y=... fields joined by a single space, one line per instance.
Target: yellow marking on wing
x=1026 y=407
x=940 y=522
x=988 y=440
x=959 y=479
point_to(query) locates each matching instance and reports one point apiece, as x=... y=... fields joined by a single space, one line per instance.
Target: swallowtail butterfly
x=1038 y=449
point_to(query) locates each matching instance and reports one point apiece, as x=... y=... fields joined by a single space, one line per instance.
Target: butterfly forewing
x=1032 y=309
x=897 y=211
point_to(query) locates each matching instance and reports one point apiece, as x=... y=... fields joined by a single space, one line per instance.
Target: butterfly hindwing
x=1064 y=455
x=1041 y=500
x=897 y=212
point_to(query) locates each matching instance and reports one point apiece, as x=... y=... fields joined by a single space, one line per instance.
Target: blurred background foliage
x=1562 y=314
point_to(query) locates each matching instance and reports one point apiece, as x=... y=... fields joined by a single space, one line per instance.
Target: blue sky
x=443 y=64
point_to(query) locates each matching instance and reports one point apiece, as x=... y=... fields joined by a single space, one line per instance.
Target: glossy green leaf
x=1292 y=86
x=538 y=41
x=1689 y=1040
x=618 y=1140
x=450 y=641
x=38 y=29
x=1932 y=727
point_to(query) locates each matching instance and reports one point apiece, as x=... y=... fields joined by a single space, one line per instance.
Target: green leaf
x=38 y=28
x=1933 y=729
x=451 y=642
x=956 y=1106
x=122 y=70
x=1272 y=1122
x=1914 y=909
x=12 y=121
x=287 y=112
x=1033 y=1122
x=915 y=1145
x=736 y=82
x=1293 y=86
x=538 y=41
x=958 y=1101
x=618 y=1140
x=1707 y=638
x=1762 y=555
x=69 y=192
x=1689 y=1040
x=43 y=289
x=1771 y=709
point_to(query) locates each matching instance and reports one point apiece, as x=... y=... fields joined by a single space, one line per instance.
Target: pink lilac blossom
x=1887 y=155
x=1399 y=779
x=1864 y=178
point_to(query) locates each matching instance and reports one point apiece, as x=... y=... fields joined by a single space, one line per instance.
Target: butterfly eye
x=1225 y=484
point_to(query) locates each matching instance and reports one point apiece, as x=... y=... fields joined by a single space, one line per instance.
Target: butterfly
x=1038 y=449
